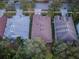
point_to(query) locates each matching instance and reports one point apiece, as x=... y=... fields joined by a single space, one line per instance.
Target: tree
x=62 y=50
x=54 y=6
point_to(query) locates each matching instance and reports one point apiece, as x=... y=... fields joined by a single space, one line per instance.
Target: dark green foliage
x=2 y=5
x=74 y=5
x=33 y=49
x=36 y=49
x=62 y=50
x=6 y=52
x=23 y=49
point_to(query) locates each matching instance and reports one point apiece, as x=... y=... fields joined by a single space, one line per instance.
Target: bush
x=2 y=5
x=62 y=50
x=32 y=49
x=24 y=49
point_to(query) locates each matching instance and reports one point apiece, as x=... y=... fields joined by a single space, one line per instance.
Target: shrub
x=62 y=50
x=24 y=49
